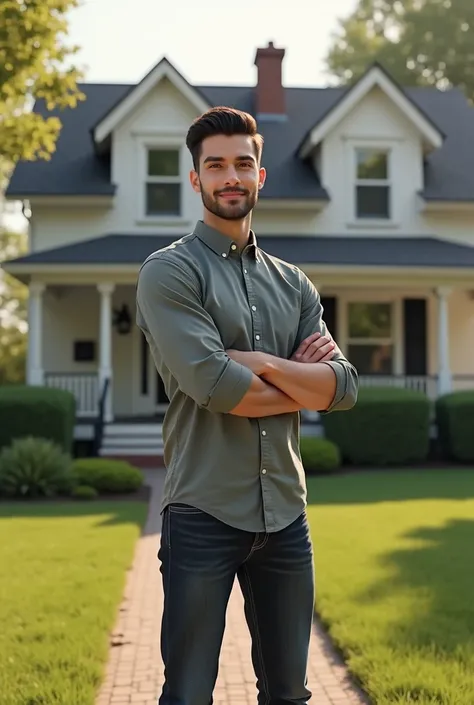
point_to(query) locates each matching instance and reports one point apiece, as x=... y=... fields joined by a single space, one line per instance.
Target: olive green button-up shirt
x=195 y=299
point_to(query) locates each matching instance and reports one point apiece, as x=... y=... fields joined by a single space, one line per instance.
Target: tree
x=13 y=313
x=419 y=42
x=33 y=59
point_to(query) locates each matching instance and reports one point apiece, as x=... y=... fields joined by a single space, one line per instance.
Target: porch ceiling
x=403 y=251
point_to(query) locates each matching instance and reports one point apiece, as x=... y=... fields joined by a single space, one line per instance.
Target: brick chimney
x=269 y=92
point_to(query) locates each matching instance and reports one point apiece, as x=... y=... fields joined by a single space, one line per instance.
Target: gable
x=164 y=107
x=121 y=110
x=375 y=78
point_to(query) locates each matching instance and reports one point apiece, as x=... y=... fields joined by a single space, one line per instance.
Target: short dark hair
x=222 y=121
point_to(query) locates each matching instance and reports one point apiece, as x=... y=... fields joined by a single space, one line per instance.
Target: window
x=163 y=183
x=372 y=184
x=370 y=344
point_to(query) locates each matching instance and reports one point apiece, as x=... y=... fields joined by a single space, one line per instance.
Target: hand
x=315 y=348
x=255 y=360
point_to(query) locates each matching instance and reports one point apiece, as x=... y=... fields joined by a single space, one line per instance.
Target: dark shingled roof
x=302 y=250
x=75 y=168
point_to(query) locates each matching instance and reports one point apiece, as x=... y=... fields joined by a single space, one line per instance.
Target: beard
x=230 y=210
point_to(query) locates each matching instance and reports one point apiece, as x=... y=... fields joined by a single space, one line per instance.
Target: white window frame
x=397 y=337
x=352 y=146
x=144 y=145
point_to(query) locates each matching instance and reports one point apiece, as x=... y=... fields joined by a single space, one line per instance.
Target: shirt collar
x=221 y=244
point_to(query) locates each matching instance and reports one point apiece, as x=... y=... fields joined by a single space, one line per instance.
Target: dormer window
x=163 y=182
x=372 y=186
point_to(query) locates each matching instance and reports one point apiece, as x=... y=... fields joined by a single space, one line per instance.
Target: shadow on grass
x=109 y=512
x=439 y=575
x=371 y=486
x=441 y=571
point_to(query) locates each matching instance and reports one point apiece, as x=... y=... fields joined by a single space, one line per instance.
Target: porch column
x=444 y=368
x=35 y=372
x=105 y=361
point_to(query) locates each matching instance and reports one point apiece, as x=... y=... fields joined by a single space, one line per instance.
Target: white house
x=370 y=190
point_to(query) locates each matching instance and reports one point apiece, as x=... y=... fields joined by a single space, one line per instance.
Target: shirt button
x=224 y=254
x=245 y=271
x=254 y=308
x=264 y=472
x=257 y=337
x=233 y=247
x=264 y=433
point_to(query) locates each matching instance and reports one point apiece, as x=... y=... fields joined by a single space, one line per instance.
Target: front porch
x=83 y=338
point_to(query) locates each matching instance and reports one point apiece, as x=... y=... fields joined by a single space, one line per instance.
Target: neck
x=236 y=230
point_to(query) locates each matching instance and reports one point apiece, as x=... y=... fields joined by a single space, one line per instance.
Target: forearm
x=264 y=399
x=313 y=385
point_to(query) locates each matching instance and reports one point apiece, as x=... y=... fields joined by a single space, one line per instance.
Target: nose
x=232 y=178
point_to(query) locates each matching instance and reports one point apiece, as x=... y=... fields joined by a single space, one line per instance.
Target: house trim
x=308 y=204
x=67 y=200
x=375 y=77
x=340 y=275
x=164 y=69
x=434 y=205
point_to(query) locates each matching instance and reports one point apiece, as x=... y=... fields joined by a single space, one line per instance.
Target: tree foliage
x=33 y=65
x=420 y=42
x=13 y=312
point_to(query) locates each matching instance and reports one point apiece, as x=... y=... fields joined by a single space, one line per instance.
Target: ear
x=262 y=175
x=195 y=182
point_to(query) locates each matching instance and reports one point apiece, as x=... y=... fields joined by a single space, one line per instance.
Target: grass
x=62 y=573
x=395 y=580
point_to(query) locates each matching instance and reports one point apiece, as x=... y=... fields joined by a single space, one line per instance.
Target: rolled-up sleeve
x=184 y=338
x=312 y=321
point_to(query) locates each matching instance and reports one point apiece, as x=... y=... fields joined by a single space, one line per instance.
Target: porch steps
x=139 y=443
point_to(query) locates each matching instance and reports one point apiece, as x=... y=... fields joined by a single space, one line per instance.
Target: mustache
x=240 y=191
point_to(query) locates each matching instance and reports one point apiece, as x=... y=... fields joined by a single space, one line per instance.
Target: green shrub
x=107 y=476
x=41 y=412
x=319 y=454
x=387 y=426
x=84 y=492
x=455 y=421
x=35 y=467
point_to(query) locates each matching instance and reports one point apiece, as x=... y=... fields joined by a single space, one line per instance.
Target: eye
x=212 y=166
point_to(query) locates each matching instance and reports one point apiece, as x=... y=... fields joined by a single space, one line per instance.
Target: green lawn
x=62 y=573
x=394 y=556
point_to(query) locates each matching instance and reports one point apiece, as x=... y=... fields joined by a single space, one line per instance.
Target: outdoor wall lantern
x=122 y=320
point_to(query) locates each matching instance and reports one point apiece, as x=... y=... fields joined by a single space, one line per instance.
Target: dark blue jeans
x=200 y=558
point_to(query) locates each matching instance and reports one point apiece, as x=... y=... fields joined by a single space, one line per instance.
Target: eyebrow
x=241 y=158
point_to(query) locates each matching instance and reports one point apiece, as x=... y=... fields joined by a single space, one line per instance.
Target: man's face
x=229 y=176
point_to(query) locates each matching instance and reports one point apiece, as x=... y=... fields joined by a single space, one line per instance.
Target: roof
x=76 y=168
x=117 y=249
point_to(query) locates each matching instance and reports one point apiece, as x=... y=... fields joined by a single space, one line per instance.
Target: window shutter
x=415 y=336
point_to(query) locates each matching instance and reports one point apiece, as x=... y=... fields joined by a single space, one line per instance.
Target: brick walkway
x=134 y=671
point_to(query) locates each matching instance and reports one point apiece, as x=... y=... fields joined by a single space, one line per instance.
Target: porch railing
x=422 y=383
x=84 y=387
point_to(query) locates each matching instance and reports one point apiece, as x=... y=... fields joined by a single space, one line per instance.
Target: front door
x=150 y=396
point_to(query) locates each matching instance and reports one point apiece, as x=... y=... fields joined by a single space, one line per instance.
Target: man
x=222 y=318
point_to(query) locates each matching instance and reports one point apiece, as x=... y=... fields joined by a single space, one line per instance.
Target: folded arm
x=316 y=386
x=184 y=339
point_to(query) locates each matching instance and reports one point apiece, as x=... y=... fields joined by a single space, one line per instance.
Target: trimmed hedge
x=41 y=412
x=455 y=420
x=107 y=476
x=387 y=426
x=319 y=454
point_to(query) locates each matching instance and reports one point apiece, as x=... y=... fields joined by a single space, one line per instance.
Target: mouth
x=231 y=195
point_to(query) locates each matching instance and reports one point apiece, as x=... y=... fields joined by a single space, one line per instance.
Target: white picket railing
x=85 y=388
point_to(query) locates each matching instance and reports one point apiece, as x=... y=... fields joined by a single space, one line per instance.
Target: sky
x=209 y=42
